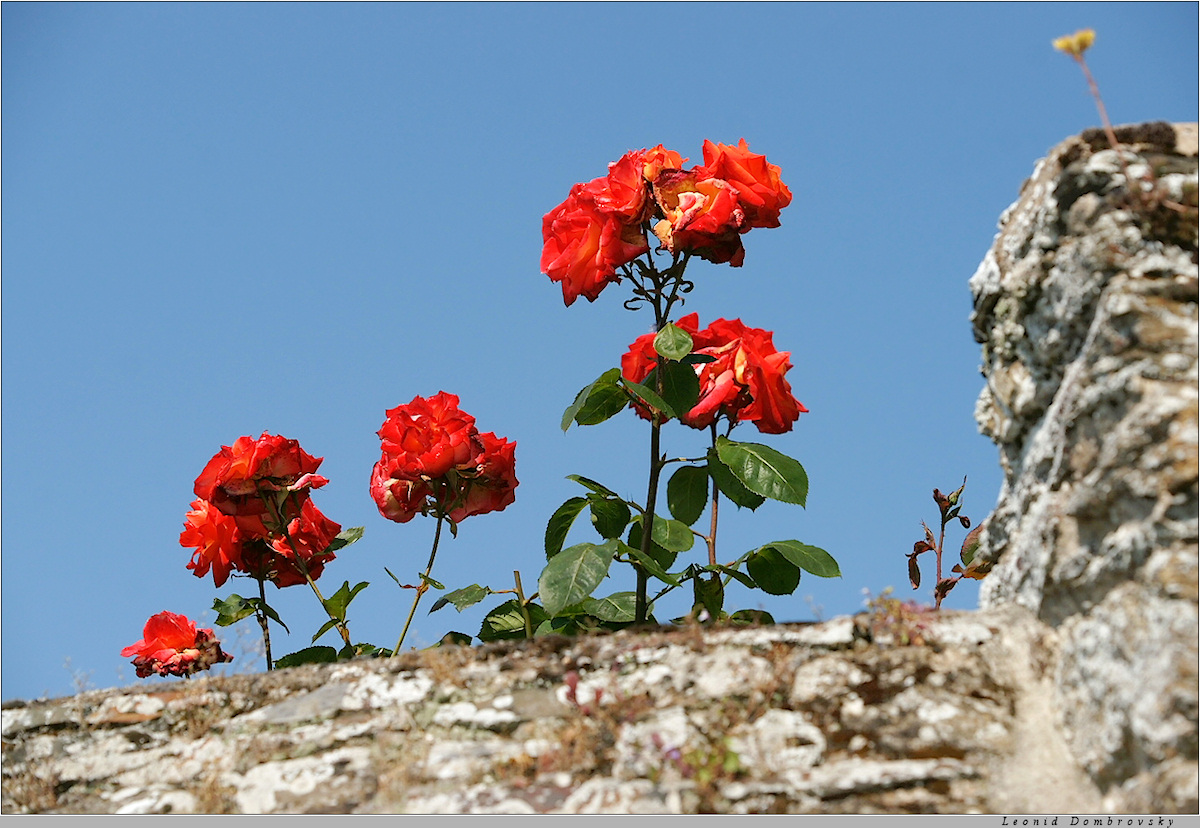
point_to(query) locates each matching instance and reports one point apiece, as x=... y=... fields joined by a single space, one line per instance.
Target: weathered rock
x=788 y=719
x=1086 y=308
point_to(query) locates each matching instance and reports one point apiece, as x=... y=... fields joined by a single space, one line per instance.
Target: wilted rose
x=172 y=646
x=700 y=215
x=583 y=245
x=491 y=484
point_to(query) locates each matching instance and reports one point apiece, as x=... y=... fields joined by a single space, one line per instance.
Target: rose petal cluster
x=604 y=224
x=744 y=382
x=172 y=646
x=434 y=461
x=254 y=514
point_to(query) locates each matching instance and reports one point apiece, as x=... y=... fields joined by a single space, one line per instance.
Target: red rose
x=655 y=160
x=744 y=383
x=252 y=480
x=428 y=437
x=171 y=645
x=583 y=245
x=492 y=483
x=700 y=215
x=216 y=539
x=434 y=460
x=760 y=192
x=308 y=537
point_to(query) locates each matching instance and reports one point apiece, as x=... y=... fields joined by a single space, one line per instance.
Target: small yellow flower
x=1076 y=44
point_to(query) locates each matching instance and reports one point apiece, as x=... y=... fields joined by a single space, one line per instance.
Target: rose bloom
x=172 y=646
x=308 y=537
x=493 y=482
x=761 y=194
x=254 y=479
x=428 y=436
x=216 y=540
x=434 y=459
x=583 y=245
x=744 y=383
x=700 y=215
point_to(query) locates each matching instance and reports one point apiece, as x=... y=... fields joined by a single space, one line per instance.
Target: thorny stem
x=424 y=585
x=262 y=621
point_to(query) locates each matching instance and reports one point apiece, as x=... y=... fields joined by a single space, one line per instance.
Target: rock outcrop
x=1072 y=690
x=1086 y=308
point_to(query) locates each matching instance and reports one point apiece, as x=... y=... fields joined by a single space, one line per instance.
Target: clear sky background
x=224 y=219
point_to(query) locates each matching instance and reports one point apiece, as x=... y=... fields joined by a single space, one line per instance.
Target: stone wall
x=1072 y=690
x=1086 y=308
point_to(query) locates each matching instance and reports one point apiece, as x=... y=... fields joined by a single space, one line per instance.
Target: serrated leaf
x=662 y=557
x=309 y=655
x=617 y=608
x=326 y=627
x=609 y=516
x=651 y=565
x=671 y=535
x=340 y=600
x=648 y=396
x=811 y=559
x=741 y=577
x=345 y=538
x=673 y=342
x=588 y=483
x=454 y=639
x=773 y=573
x=232 y=609
x=572 y=574
x=698 y=359
x=462 y=598
x=730 y=486
x=687 y=493
x=764 y=471
x=583 y=400
x=680 y=386
x=748 y=617
x=709 y=593
x=560 y=524
x=506 y=621
x=971 y=544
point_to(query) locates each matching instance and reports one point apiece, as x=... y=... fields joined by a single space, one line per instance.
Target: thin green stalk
x=424 y=585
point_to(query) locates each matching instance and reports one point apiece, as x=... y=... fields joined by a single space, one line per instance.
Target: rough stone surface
x=1086 y=309
x=788 y=719
x=1072 y=690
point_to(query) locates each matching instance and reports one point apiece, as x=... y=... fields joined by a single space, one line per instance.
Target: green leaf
x=326 y=627
x=741 y=577
x=671 y=535
x=971 y=544
x=644 y=392
x=773 y=573
x=506 y=621
x=687 y=493
x=673 y=342
x=309 y=655
x=462 y=598
x=359 y=650
x=430 y=581
x=708 y=593
x=663 y=558
x=588 y=483
x=560 y=524
x=764 y=471
x=730 y=486
x=617 y=608
x=652 y=565
x=572 y=574
x=609 y=516
x=345 y=538
x=593 y=401
x=232 y=609
x=680 y=386
x=698 y=359
x=747 y=617
x=336 y=604
x=235 y=608
x=454 y=639
x=809 y=558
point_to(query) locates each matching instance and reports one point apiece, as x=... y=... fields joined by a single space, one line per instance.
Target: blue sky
x=224 y=219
